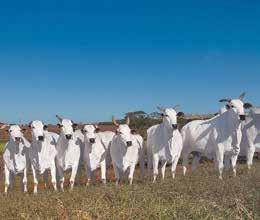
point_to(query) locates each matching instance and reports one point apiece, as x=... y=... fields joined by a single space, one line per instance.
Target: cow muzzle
x=242 y=117
x=129 y=143
x=41 y=138
x=175 y=126
x=92 y=140
x=68 y=136
x=18 y=140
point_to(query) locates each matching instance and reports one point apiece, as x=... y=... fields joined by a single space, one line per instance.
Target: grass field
x=198 y=196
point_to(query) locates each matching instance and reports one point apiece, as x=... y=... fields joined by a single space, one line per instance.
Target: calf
x=96 y=151
x=16 y=157
x=42 y=153
x=69 y=148
x=164 y=143
x=126 y=151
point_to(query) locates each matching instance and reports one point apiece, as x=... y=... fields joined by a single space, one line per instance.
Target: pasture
x=198 y=196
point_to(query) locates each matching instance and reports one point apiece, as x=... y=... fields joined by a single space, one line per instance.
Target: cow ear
x=59 y=125
x=180 y=114
x=45 y=127
x=133 y=131
x=97 y=130
x=82 y=131
x=74 y=126
x=228 y=107
x=248 y=105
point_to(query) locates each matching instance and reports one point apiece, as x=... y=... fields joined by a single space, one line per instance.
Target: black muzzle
x=129 y=143
x=175 y=127
x=242 y=117
x=18 y=139
x=41 y=138
x=92 y=140
x=68 y=136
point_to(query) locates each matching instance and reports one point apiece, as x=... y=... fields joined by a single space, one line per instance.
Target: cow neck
x=168 y=133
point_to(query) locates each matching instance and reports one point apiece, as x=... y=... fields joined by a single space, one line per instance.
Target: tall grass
x=198 y=196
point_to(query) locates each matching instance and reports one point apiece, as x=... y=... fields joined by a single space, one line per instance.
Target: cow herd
x=234 y=131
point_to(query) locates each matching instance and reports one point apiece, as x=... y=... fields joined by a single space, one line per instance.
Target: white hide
x=126 y=157
x=16 y=158
x=251 y=136
x=69 y=151
x=42 y=153
x=96 y=154
x=215 y=138
x=164 y=144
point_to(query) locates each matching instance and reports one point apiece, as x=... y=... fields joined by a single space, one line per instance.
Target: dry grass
x=198 y=196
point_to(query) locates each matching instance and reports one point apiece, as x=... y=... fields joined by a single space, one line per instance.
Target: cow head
x=16 y=134
x=124 y=131
x=238 y=106
x=169 y=116
x=67 y=127
x=38 y=129
x=90 y=133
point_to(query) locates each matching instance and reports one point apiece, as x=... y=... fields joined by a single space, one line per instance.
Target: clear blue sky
x=88 y=60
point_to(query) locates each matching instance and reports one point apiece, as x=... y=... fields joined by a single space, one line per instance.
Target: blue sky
x=88 y=60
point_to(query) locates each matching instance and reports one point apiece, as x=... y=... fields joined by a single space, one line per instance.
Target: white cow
x=96 y=151
x=42 y=153
x=69 y=148
x=217 y=137
x=164 y=143
x=126 y=151
x=16 y=158
x=251 y=136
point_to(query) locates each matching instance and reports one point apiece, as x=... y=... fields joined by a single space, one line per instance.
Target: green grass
x=197 y=196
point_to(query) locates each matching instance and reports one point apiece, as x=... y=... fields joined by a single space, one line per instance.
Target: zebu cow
x=96 y=151
x=42 y=153
x=216 y=137
x=164 y=143
x=69 y=150
x=16 y=158
x=251 y=136
x=126 y=151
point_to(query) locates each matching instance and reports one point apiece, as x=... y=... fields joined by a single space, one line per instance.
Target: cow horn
x=114 y=121
x=176 y=107
x=242 y=96
x=59 y=118
x=127 y=120
x=225 y=100
x=161 y=109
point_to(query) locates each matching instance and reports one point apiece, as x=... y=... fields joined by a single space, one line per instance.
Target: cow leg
x=117 y=173
x=174 y=166
x=73 y=175
x=25 y=180
x=131 y=174
x=220 y=160
x=185 y=162
x=234 y=165
x=164 y=163
x=45 y=178
x=250 y=155
x=61 y=178
x=35 y=180
x=141 y=163
x=155 y=168
x=88 y=175
x=195 y=161
x=149 y=164
x=7 y=179
x=103 y=172
x=53 y=177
